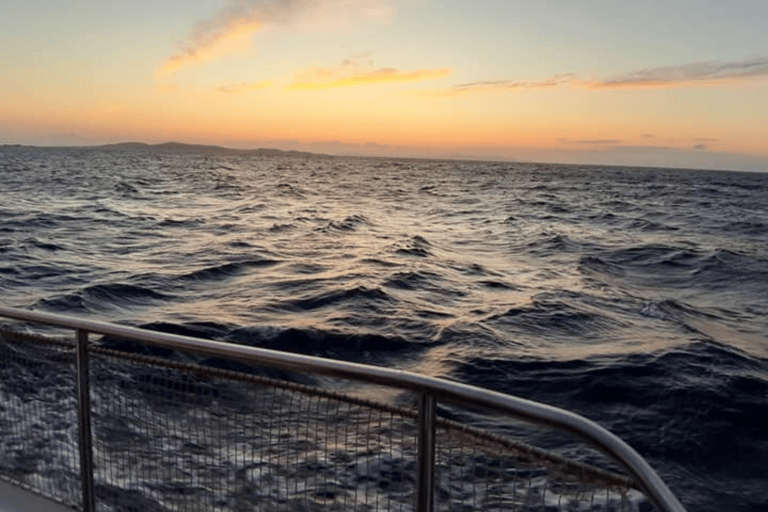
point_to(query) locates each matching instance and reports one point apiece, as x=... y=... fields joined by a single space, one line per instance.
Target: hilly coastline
x=180 y=147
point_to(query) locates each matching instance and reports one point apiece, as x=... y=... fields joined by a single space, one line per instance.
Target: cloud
x=703 y=143
x=644 y=148
x=684 y=75
x=231 y=29
x=358 y=70
x=243 y=87
x=377 y=76
x=709 y=73
x=593 y=141
x=211 y=45
x=501 y=86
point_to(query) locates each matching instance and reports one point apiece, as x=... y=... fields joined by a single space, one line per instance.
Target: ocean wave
x=412 y=280
x=547 y=244
x=226 y=270
x=665 y=266
x=701 y=405
x=357 y=294
x=34 y=243
x=415 y=246
x=342 y=345
x=101 y=297
x=367 y=347
x=551 y=317
x=280 y=228
x=349 y=224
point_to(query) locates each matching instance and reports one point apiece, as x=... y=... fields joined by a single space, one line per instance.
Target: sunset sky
x=679 y=83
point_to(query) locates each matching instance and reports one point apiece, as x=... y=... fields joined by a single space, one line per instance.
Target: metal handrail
x=429 y=388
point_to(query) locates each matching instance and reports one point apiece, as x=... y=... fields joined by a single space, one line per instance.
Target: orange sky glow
x=373 y=77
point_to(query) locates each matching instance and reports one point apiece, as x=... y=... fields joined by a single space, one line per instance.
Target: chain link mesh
x=173 y=436
x=38 y=416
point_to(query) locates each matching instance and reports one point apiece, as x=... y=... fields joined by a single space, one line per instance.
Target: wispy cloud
x=703 y=143
x=206 y=45
x=703 y=73
x=244 y=87
x=231 y=29
x=699 y=144
x=598 y=141
x=358 y=70
x=377 y=76
x=592 y=141
x=685 y=75
x=501 y=86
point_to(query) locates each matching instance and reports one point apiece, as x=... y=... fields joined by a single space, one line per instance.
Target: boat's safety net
x=172 y=434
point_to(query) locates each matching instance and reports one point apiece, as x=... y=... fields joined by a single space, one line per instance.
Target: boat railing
x=164 y=421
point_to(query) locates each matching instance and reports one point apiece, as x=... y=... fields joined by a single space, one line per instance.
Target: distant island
x=209 y=149
x=179 y=147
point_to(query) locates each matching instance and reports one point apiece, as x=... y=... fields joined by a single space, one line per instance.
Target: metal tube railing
x=84 y=421
x=427 y=428
x=651 y=484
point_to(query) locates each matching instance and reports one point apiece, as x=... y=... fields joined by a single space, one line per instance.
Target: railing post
x=84 y=421
x=426 y=453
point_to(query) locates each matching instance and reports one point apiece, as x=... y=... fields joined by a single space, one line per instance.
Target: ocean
x=636 y=297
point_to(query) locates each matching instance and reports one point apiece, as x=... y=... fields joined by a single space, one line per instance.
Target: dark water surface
x=635 y=297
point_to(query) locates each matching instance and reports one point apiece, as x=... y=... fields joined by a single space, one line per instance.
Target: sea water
x=636 y=297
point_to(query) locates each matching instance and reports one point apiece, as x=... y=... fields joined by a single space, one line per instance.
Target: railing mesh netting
x=169 y=434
